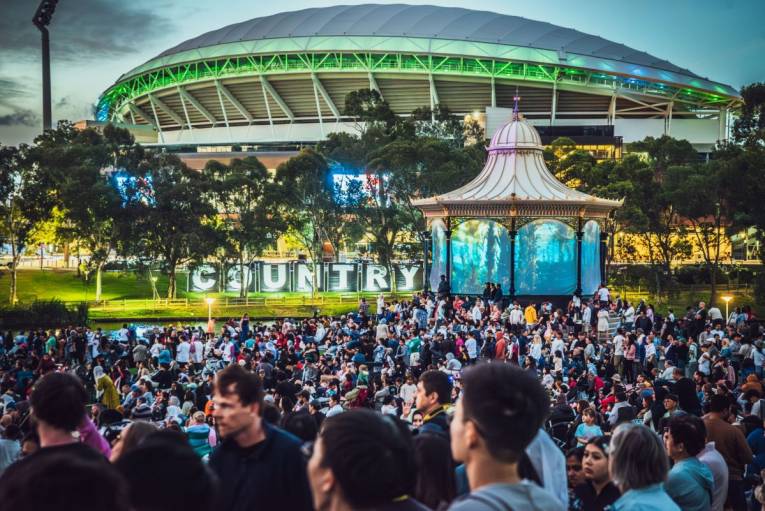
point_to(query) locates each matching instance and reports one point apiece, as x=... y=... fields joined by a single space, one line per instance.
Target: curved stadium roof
x=425 y=21
x=424 y=40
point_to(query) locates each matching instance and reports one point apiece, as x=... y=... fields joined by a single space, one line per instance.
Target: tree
x=76 y=166
x=647 y=211
x=419 y=168
x=310 y=211
x=176 y=223
x=24 y=202
x=247 y=205
x=698 y=194
x=749 y=127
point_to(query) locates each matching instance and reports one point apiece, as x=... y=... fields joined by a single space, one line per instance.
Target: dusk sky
x=94 y=41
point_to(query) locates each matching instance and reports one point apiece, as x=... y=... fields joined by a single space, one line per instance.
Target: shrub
x=44 y=313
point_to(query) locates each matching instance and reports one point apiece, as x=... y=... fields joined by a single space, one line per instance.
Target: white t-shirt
x=472 y=347
x=603 y=294
x=558 y=345
x=335 y=410
x=712 y=458
x=407 y=392
x=199 y=352
x=182 y=355
x=619 y=345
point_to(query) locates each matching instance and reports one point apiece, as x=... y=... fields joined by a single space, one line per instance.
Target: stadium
x=272 y=84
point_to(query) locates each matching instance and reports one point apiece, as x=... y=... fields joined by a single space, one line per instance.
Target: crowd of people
x=436 y=402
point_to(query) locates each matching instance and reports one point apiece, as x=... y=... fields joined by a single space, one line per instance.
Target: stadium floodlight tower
x=42 y=19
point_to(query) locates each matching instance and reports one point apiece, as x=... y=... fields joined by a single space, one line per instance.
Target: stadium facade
x=277 y=82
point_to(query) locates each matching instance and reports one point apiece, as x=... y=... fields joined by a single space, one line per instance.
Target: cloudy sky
x=94 y=41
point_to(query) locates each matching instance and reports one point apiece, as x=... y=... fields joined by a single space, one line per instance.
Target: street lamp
x=154 y=288
x=41 y=20
x=727 y=299
x=209 y=308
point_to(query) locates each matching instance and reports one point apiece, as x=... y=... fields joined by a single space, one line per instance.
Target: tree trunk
x=242 y=279
x=171 y=282
x=713 y=285
x=99 y=267
x=14 y=263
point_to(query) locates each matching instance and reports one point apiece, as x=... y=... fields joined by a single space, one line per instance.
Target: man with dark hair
x=363 y=460
x=500 y=412
x=689 y=482
x=685 y=389
x=53 y=473
x=730 y=442
x=166 y=456
x=434 y=394
x=258 y=465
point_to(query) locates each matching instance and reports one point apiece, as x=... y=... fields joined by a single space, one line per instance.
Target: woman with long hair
x=597 y=492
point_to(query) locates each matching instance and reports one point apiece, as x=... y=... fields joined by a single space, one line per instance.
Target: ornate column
x=426 y=241
x=603 y=254
x=449 y=249
x=579 y=236
x=512 y=233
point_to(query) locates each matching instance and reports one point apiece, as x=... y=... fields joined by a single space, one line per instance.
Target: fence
x=223 y=303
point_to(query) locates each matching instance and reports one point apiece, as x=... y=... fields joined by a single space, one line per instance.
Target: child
x=587 y=429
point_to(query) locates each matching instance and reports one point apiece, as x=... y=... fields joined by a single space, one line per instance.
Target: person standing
x=730 y=442
x=710 y=457
x=689 y=483
x=46 y=476
x=498 y=398
x=105 y=389
x=183 y=352
x=434 y=394
x=363 y=460
x=638 y=466
x=598 y=491
x=258 y=465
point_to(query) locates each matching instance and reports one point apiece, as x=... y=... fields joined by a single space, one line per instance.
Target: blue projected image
x=132 y=188
x=590 y=258
x=351 y=186
x=545 y=253
x=480 y=254
x=438 y=268
x=545 y=259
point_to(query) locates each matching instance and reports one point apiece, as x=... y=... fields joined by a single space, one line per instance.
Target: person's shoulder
x=19 y=469
x=523 y=495
x=284 y=439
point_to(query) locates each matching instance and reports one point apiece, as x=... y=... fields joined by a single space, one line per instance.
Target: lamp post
x=209 y=308
x=41 y=20
x=155 y=294
x=726 y=299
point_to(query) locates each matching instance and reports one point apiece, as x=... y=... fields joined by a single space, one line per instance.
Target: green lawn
x=66 y=286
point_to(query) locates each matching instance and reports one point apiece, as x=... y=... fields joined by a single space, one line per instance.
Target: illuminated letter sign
x=233 y=281
x=271 y=284
x=375 y=278
x=304 y=277
x=204 y=278
x=409 y=273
